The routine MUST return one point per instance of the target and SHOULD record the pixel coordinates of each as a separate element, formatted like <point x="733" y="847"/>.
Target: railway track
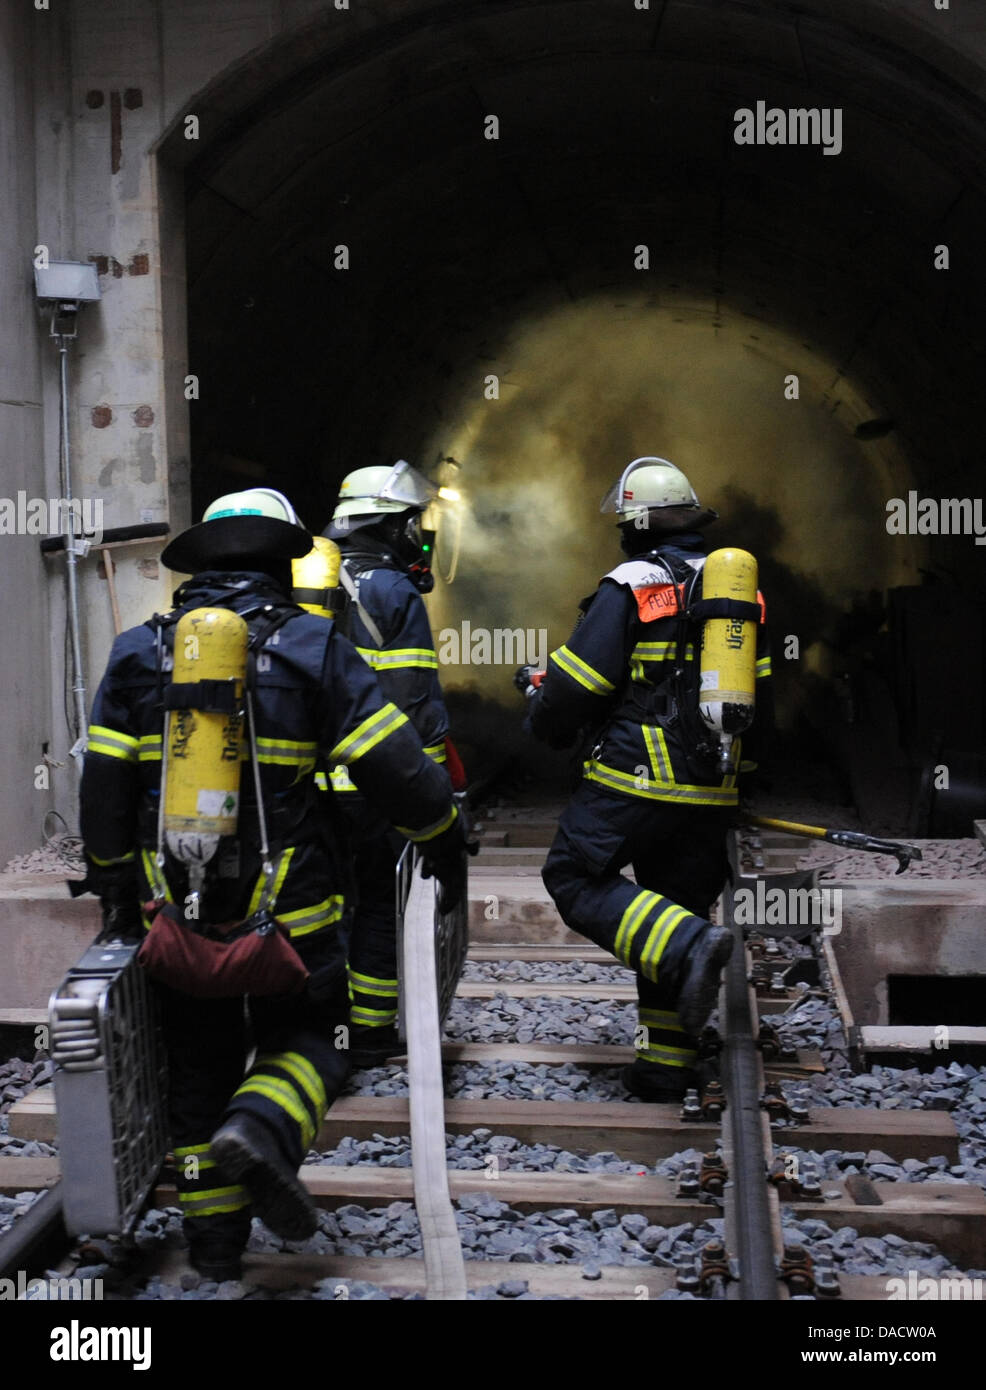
<point x="758" y="1132"/>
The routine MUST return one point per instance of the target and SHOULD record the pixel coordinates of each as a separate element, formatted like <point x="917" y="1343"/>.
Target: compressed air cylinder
<point x="729" y="649"/>
<point x="315" y="575"/>
<point x="202" y="746"/>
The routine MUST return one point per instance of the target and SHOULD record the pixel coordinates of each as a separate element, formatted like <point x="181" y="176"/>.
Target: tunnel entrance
<point x="526" y="239"/>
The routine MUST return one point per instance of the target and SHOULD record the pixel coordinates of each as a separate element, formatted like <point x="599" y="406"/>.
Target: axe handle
<point x="817" y="832"/>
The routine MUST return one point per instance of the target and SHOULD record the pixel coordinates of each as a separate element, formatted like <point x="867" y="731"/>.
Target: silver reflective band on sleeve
<point x="429" y="831"/>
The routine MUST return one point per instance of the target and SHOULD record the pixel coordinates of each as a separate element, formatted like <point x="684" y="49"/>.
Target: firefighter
<point x="386" y="567"/>
<point x="649" y="797"/>
<point x="240" y="1138"/>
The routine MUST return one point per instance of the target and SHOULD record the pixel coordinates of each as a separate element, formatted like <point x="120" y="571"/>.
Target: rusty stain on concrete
<point x="94" y="100"/>
<point x="101" y="416"/>
<point x="133" y="98"/>
<point x="143" y="416"/>
<point x="116" y="133"/>
<point x="149" y="569"/>
<point x="139" y="264"/>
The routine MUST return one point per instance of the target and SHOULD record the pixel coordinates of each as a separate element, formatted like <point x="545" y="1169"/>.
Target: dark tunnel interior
<point x="518" y="258"/>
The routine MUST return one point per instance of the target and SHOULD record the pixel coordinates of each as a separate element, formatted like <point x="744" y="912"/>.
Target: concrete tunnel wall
<point x="319" y="126"/>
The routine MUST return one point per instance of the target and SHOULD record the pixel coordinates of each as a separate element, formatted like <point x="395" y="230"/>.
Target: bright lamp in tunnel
<point x="450" y="494"/>
<point x="63" y="286"/>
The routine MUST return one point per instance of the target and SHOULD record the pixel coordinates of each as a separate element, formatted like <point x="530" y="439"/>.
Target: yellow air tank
<point x="729" y="650"/>
<point x="204" y="733"/>
<point x="315" y="575"/>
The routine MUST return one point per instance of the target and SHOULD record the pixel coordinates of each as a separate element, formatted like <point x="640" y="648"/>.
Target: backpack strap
<point x="351" y="587"/>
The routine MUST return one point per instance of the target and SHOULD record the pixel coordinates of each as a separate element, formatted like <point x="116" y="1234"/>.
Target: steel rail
<point x="36" y="1237"/>
<point x="752" y="1217"/>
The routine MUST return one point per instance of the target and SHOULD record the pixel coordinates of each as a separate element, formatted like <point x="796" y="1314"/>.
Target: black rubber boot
<point x="370" y="1047"/>
<point x="700" y="978"/>
<point x="216" y="1259"/>
<point x="656" y="1083"/>
<point x="247" y="1152"/>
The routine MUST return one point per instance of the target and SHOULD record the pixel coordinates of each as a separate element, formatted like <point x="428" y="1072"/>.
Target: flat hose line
<point x="444" y="1268"/>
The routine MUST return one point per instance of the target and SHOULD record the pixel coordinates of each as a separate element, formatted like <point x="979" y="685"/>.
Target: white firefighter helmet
<point x="376" y="491"/>
<point x="259" y="523"/>
<point x="650" y="484"/>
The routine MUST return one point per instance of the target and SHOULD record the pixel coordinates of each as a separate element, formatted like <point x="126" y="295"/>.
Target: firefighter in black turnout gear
<point x="386" y="567"/>
<point x="239" y="1136"/>
<point x="650" y="796"/>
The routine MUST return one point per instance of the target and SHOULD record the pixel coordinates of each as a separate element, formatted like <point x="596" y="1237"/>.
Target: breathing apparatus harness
<point x="219" y="696"/>
<point x="680" y="703"/>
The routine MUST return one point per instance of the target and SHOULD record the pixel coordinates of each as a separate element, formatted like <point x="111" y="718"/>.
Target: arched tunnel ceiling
<point x="616" y="129"/>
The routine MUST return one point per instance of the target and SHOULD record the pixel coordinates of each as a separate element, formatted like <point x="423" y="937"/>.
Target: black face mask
<point x="414" y="547"/>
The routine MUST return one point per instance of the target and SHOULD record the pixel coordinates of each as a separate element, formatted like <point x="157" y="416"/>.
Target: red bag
<point x="252" y="962"/>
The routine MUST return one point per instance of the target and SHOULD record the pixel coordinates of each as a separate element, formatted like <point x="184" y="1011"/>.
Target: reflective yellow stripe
<point x="284" y="752"/>
<point x="665" y="1019"/>
<point x="371" y="1018"/>
<point x="303" y="1072"/>
<point x="214" y="1201"/>
<point x="341" y="780"/>
<point x="398" y="657"/>
<point x="579" y="670"/>
<point x="436" y="751"/>
<point x="631" y="920"/>
<point x="368" y="734"/>
<point x="657" y="750"/>
<point x="368" y="984"/>
<point x="280" y="871"/>
<point x="128" y="858"/>
<point x="321" y="781"/>
<point x="157" y="883"/>
<point x="150" y="748"/>
<point x="111" y="743"/>
<point x="660" y="935"/>
<point x="763" y="667"/>
<point x="625" y="782"/>
<point x="191" y="1149"/>
<point x="668" y="1056"/>
<point x="661" y="651"/>
<point x="302" y="921"/>
<point x="430" y="831"/>
<point x="283" y="1095"/>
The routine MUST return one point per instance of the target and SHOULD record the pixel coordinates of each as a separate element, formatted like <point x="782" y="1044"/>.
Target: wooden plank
<point x="285" y="1271"/>
<point x="288" y="1270"/>
<point x="550" y="989"/>
<point x="26" y="1174"/>
<point x="951" y="1216"/>
<point x="564" y="989"/>
<point x="544" y="951"/>
<point x="873" y="1038"/>
<point x="23" y="1018"/>
<point x="590" y="1055"/>
<point x="633" y="1130"/>
<point x="879" y="1288"/>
